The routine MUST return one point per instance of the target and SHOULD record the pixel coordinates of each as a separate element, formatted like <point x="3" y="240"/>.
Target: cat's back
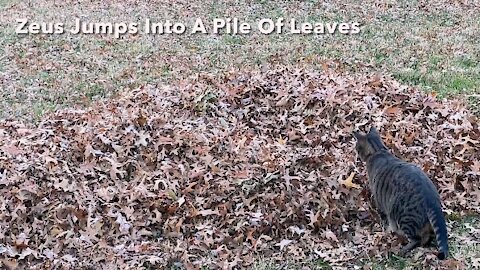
<point x="391" y="177"/>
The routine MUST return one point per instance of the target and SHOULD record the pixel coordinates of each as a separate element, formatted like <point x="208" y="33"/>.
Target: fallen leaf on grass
<point x="348" y="182"/>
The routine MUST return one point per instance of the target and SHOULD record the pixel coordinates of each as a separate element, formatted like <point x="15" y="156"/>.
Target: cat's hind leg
<point x="412" y="244"/>
<point x="414" y="239"/>
<point x="427" y="235"/>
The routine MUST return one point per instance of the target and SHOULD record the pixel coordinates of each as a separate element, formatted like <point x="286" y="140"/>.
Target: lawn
<point x="427" y="46"/>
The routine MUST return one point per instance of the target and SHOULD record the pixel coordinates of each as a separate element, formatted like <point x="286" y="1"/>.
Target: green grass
<point x="393" y="262"/>
<point x="6" y="3"/>
<point x="433" y="49"/>
<point x="462" y="80"/>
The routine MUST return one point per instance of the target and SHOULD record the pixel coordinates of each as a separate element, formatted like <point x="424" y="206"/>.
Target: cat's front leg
<point x="383" y="216"/>
<point x="384" y="219"/>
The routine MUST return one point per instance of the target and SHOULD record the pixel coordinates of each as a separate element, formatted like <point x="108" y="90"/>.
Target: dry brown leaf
<point x="348" y="182"/>
<point x="393" y="110"/>
<point x="211" y="172"/>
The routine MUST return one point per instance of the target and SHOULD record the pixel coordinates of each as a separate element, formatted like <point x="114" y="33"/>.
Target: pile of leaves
<point x="220" y="171"/>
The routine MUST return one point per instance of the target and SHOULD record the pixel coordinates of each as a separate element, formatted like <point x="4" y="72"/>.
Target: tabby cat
<point x="405" y="197"/>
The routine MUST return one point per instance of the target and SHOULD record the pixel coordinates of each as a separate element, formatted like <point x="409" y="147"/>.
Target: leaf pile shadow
<point x="216" y="171"/>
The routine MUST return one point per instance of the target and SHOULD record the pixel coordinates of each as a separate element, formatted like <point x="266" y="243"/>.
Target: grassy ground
<point x="429" y="46"/>
<point x="435" y="47"/>
<point x="459" y="232"/>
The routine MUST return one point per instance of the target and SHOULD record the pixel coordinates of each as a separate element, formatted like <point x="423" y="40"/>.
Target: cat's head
<point x="368" y="144"/>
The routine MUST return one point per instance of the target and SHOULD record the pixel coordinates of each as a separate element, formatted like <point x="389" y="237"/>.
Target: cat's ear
<point x="358" y="135"/>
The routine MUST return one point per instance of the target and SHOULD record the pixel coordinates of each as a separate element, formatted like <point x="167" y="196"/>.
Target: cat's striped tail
<point x="436" y="218"/>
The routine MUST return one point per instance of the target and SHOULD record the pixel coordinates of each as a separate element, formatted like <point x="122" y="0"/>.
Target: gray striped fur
<point x="405" y="197"/>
